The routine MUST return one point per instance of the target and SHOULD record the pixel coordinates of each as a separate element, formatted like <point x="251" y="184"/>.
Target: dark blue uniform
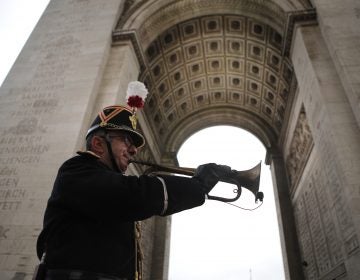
<point x="89" y="219"/>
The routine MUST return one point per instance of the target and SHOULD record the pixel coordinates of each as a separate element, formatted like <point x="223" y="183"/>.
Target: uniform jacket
<point x="89" y="219"/>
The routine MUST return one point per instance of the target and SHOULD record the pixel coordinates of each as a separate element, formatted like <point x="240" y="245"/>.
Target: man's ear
<point x="98" y="145"/>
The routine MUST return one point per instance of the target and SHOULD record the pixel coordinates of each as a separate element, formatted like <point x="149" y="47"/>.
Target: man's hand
<point x="209" y="174"/>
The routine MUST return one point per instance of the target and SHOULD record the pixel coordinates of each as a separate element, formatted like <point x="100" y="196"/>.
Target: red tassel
<point x="135" y="101"/>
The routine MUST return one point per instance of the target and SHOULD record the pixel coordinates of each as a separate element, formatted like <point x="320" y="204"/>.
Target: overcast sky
<point x="17" y="20"/>
<point x="216" y="241"/>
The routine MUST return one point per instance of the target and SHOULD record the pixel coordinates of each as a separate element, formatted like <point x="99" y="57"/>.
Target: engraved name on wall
<point x="326" y="231"/>
<point x="30" y="121"/>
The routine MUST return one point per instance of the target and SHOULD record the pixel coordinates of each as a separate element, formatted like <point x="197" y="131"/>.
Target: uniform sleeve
<point x="181" y="193"/>
<point x="86" y="189"/>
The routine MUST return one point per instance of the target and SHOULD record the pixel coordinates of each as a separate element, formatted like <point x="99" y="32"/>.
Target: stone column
<point x="336" y="162"/>
<point x="46" y="104"/>
<point x="339" y="24"/>
<point x="162" y="234"/>
<point x="122" y="67"/>
<point x="288" y="237"/>
<point x="161" y="249"/>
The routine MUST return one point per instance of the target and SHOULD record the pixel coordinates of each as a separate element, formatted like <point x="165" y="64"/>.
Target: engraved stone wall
<point x="300" y="148"/>
<point x="24" y="146"/>
<point x="326" y="205"/>
<point x="44" y="103"/>
<point x="324" y="222"/>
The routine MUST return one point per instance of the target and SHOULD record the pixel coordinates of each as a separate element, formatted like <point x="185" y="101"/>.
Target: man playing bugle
<point x="89" y="230"/>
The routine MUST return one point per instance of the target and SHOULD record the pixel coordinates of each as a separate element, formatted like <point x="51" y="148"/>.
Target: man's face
<point x="123" y="149"/>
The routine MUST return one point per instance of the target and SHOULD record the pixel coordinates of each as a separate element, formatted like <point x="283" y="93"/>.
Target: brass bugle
<point x="249" y="179"/>
<point x="162" y="168"/>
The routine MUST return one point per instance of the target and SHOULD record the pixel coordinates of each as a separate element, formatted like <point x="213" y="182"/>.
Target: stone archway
<point x="205" y="65"/>
<point x="82" y="54"/>
<point x="198" y="58"/>
<point x="224" y="64"/>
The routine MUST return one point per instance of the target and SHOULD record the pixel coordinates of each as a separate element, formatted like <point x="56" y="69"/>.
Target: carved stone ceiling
<point x="211" y="63"/>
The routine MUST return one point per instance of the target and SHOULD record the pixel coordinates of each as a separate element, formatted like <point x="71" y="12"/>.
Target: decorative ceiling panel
<point x="213" y="61"/>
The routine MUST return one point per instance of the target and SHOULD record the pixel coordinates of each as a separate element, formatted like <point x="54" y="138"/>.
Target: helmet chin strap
<point x="111" y="154"/>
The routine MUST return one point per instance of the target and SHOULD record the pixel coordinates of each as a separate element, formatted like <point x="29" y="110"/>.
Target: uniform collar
<point x="88" y="153"/>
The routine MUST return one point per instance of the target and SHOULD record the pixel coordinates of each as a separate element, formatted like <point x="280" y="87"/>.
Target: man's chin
<point x="123" y="167"/>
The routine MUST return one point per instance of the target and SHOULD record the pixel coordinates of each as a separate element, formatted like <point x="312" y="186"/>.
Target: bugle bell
<point x="249" y="179"/>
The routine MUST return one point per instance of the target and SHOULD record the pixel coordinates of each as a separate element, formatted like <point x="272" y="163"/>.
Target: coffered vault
<point x="208" y="64"/>
<point x="226" y="65"/>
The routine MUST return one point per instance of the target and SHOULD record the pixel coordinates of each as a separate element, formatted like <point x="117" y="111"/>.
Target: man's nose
<point x="132" y="150"/>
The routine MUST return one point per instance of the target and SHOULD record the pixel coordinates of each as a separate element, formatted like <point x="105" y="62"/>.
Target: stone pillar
<point x="161" y="249"/>
<point x="122" y="67"/>
<point x="162" y="234"/>
<point x="46" y="104"/>
<point x="329" y="187"/>
<point x="339" y="21"/>
<point x="287" y="229"/>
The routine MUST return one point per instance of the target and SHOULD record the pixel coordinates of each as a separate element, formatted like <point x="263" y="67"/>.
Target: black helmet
<point x="118" y="117"/>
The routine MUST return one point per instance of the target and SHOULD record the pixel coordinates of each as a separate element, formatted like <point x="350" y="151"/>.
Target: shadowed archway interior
<point x="212" y="64"/>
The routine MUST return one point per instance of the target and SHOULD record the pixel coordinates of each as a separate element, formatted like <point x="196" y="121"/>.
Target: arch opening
<point x="218" y="241"/>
